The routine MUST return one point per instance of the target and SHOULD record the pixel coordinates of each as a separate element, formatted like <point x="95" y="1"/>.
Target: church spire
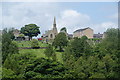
<point x="54" y="23"/>
<point x="54" y="20"/>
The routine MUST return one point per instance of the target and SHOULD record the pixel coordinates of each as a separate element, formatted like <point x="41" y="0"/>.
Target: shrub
<point x="34" y="44"/>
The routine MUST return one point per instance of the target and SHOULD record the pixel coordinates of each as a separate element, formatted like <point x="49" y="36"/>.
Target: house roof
<point x="79" y="30"/>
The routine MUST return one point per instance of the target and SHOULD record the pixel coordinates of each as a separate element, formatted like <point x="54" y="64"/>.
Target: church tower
<point x="54" y="26"/>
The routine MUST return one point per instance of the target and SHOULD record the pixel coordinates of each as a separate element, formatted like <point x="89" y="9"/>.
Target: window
<point x="51" y="36"/>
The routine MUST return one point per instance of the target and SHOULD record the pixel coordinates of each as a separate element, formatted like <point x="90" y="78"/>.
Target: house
<point x="17" y="33"/>
<point x="70" y="36"/>
<point x="104" y="35"/>
<point x="98" y="35"/>
<point x="83" y="32"/>
<point x="50" y="34"/>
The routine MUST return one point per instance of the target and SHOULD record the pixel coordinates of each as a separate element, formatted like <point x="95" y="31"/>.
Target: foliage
<point x="79" y="47"/>
<point x="20" y="62"/>
<point x="30" y="30"/>
<point x="8" y="47"/>
<point x="63" y="29"/>
<point x="84" y="38"/>
<point x="8" y="73"/>
<point x="80" y="59"/>
<point x="60" y="41"/>
<point x="21" y="35"/>
<point x="11" y="33"/>
<point x="101" y="61"/>
<point x="44" y="68"/>
<point x="34" y="43"/>
<point x="49" y="52"/>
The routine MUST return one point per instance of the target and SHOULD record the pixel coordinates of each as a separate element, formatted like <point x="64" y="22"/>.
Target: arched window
<point x="51" y="36"/>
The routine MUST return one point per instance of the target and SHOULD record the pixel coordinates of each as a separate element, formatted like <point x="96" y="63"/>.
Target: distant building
<point x="70" y="36"/>
<point x="50" y="34"/>
<point x="83" y="32"/>
<point x="104" y="35"/>
<point x="100" y="36"/>
<point x="17" y="33"/>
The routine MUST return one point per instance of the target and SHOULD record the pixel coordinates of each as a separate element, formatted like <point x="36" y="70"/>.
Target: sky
<point x="73" y="15"/>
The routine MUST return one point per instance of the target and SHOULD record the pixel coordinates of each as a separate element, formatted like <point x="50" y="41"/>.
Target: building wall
<point x="76" y="34"/>
<point x="88" y="32"/>
<point x="104" y="35"/>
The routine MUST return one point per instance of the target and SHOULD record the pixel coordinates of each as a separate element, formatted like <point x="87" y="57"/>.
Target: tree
<point x="60" y="41"/>
<point x="21" y="61"/>
<point x="34" y="43"/>
<point x="84" y="38"/>
<point x="49" y="52"/>
<point x="11" y="33"/>
<point x="63" y="29"/>
<point x="30" y="30"/>
<point x="79" y="47"/>
<point x="8" y="46"/>
<point x="44" y="68"/>
<point x="8" y="73"/>
<point x="21" y="36"/>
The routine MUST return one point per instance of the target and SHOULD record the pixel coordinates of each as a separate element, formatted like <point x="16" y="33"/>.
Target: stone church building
<point x="50" y="34"/>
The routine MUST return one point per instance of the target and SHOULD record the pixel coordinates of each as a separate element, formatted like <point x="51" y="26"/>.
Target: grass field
<point x="28" y="44"/>
<point x="38" y="52"/>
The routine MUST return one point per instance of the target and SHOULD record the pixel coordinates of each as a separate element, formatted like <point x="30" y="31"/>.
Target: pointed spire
<point x="54" y="20"/>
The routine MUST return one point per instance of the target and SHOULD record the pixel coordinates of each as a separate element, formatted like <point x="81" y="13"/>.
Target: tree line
<point x="80" y="58"/>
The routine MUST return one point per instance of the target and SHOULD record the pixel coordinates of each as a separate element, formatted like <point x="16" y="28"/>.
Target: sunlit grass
<point x="28" y="44"/>
<point x="40" y="53"/>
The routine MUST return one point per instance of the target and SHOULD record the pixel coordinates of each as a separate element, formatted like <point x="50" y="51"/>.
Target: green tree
<point x="8" y="73"/>
<point x="49" y="52"/>
<point x="8" y="47"/>
<point x="44" y="68"/>
<point x="30" y="30"/>
<point x="21" y="61"/>
<point x="63" y="29"/>
<point x="34" y="43"/>
<point x="79" y="47"/>
<point x="22" y="36"/>
<point x="84" y="38"/>
<point x="11" y="33"/>
<point x="60" y="41"/>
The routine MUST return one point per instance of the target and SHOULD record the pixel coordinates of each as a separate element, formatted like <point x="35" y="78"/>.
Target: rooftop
<point x="79" y="30"/>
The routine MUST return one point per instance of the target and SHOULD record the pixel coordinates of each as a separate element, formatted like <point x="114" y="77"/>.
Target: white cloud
<point x="42" y="14"/>
<point x="72" y="20"/>
<point x="102" y="27"/>
<point x="25" y="13"/>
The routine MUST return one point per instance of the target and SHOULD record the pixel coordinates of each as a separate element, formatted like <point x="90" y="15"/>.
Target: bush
<point x="49" y="52"/>
<point x="44" y="68"/>
<point x="34" y="44"/>
<point x="8" y="46"/>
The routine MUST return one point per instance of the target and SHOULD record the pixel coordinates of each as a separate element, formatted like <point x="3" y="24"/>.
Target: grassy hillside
<point x="28" y="44"/>
<point x="38" y="52"/>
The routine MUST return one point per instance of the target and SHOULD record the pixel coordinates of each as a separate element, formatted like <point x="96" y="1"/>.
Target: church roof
<point x="79" y="30"/>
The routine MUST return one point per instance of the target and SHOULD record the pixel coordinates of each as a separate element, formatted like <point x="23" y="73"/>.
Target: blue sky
<point x="73" y="15"/>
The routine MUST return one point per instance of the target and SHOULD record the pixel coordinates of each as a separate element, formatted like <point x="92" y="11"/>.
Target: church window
<point x="51" y="36"/>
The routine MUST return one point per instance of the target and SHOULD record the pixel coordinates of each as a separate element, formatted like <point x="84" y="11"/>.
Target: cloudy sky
<point x="73" y="15"/>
